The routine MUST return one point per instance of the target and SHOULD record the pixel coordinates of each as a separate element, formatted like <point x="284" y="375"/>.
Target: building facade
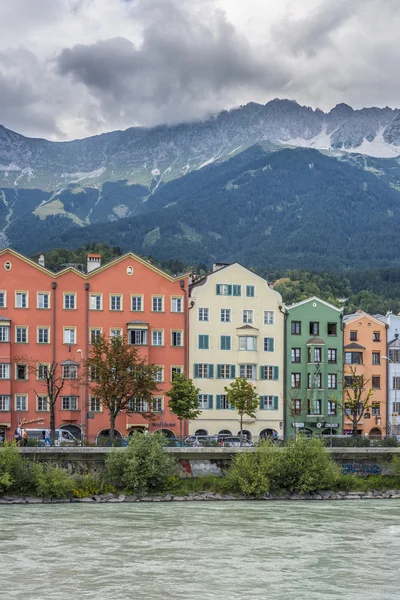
<point x="365" y="343"/>
<point x="50" y="318"/>
<point x="236" y="330"/>
<point x="314" y="357"/>
<point x="392" y="361"/>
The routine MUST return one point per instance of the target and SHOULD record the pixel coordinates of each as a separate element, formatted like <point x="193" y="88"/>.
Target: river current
<point x="201" y="551"/>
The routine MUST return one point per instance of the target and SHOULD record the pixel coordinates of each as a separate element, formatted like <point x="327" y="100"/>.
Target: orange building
<point x="365" y="339"/>
<point x="51" y="317"/>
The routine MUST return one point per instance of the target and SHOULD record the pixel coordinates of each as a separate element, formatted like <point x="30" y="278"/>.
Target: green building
<point x="314" y="368"/>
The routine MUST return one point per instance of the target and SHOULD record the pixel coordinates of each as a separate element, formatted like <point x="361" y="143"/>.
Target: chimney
<point x="41" y="260"/>
<point x="93" y="262"/>
<point x="218" y="266"/>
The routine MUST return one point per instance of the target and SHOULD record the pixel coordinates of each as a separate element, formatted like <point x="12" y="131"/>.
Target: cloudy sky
<point x="72" y="68"/>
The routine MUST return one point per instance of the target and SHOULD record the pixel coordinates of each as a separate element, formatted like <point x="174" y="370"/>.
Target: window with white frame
<point x="21" y="335"/>
<point x="223" y="403"/>
<point x="176" y="338"/>
<point x="137" y="303"/>
<point x="176" y="371"/>
<point x="43" y="300"/>
<point x="95" y="335"/>
<point x="204" y="314"/>
<point x="224" y="290"/>
<point x="247" y="342"/>
<point x="2" y="299"/>
<point x="267" y="403"/>
<point x="176" y="304"/>
<point x="69" y="403"/>
<point x="203" y="401"/>
<point x="69" y="335"/>
<point x="95" y="302"/>
<point x="157" y="338"/>
<point x="21" y="299"/>
<point x="69" y="371"/>
<point x="248" y="317"/>
<point x="138" y="405"/>
<point x="269" y="317"/>
<point x="69" y="301"/>
<point x="138" y="337"/>
<point x="43" y="335"/>
<point x="21" y="372"/>
<point x="224" y="371"/>
<point x="4" y="371"/>
<point x="5" y="403"/>
<point x="159" y="374"/>
<point x="157" y="403"/>
<point x="95" y="404"/>
<point x="203" y="370"/>
<point x="225" y="315"/>
<point x="115" y="302"/>
<point x="247" y="371"/>
<point x="267" y="372"/>
<point x="157" y="304"/>
<point x="42" y="403"/>
<point x="21" y="403"/>
<point x="4" y="333"/>
<point x="42" y="371"/>
<point x="250" y="291"/>
<point x="115" y="333"/>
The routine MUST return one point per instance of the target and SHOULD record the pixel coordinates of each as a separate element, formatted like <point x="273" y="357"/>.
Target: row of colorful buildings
<point x="229" y="323"/>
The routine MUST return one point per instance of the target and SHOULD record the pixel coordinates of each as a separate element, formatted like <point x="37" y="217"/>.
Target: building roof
<point x="354" y="346"/>
<point x="360" y="314"/>
<point x="315" y="341"/>
<point x="339" y="310"/>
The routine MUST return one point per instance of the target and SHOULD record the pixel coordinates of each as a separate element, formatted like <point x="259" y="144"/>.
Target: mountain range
<point x="260" y="182"/>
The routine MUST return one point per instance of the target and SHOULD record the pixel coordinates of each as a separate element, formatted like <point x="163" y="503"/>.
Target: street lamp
<point x="395" y="393"/>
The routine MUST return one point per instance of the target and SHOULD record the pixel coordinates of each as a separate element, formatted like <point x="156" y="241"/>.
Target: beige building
<point x="236" y="328"/>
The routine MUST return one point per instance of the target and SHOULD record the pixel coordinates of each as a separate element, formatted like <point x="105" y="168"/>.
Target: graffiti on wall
<point x="360" y="469"/>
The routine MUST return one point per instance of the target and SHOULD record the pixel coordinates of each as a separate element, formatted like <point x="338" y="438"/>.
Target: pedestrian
<point x="24" y="437"/>
<point x="47" y="439"/>
<point x="18" y="435"/>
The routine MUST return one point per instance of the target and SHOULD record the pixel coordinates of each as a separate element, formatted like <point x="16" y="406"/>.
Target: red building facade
<point x="49" y="318"/>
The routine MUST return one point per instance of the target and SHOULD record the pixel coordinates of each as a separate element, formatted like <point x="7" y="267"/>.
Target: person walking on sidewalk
<point x="47" y="439"/>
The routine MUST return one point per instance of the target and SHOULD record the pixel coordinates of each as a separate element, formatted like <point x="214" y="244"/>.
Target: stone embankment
<point x="207" y="497"/>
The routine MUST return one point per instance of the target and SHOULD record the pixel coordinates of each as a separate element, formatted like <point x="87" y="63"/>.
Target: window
<point x="353" y="336"/>
<point x="69" y="371"/>
<point x="21" y="372"/>
<point x="157" y="338"/>
<point x="5" y="371"/>
<point x="43" y="336"/>
<point x="115" y="333"/>
<point x="396" y="407"/>
<point x="314" y="381"/>
<point x="137" y="303"/>
<point x="176" y="304"/>
<point x="248" y="317"/>
<point x="94" y="374"/>
<point x="295" y="380"/>
<point x="295" y="327"/>
<point x="21" y="299"/>
<point x="226" y="371"/>
<point x="138" y="337"/>
<point x="269" y="372"/>
<point x="394" y="356"/>
<point x="43" y="300"/>
<point x="269" y="317"/>
<point x="69" y="403"/>
<point x="95" y="335"/>
<point x="376" y="382"/>
<point x="138" y="405"/>
<point x="225" y="315"/>
<point x="396" y="382"/>
<point x="314" y="407"/>
<point x="224" y="290"/>
<point x="353" y="358"/>
<point x="69" y="335"/>
<point x="203" y="370"/>
<point x="203" y="342"/>
<point x="5" y="403"/>
<point x="332" y="355"/>
<point x="296" y="355"/>
<point x="376" y="336"/>
<point x="376" y="358"/>
<point x="269" y="402"/>
<point x="332" y="329"/>
<point x="314" y="328"/>
<point x="21" y="403"/>
<point x="223" y="402"/>
<point x="42" y="403"/>
<point x="348" y="380"/>
<point x="3" y="301"/>
<point x="225" y="342"/>
<point x="296" y="407"/>
<point x="42" y="371"/>
<point x="95" y="302"/>
<point x="314" y="355"/>
<point x="203" y="314"/>
<point x="157" y="404"/>
<point x="157" y="303"/>
<point x="332" y="407"/>
<point x="176" y="338"/>
<point x="247" y="342"/>
<point x="176" y="371"/>
<point x="248" y="371"/>
<point x="332" y="381"/>
<point x="69" y="301"/>
<point x="115" y="302"/>
<point x="159" y="374"/>
<point x="94" y="404"/>
<point x="21" y="335"/>
<point x="269" y="344"/>
<point x="376" y="409"/>
<point x="205" y="401"/>
<point x="4" y="333"/>
<point x="250" y="291"/>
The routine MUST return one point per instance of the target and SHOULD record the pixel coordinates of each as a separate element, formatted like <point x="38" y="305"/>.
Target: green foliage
<point x="50" y="481"/>
<point x="242" y="396"/>
<point x="143" y="467"/>
<point x="10" y="461"/>
<point x="183" y="399"/>
<point x="191" y="485"/>
<point x="249" y="473"/>
<point x="87" y="485"/>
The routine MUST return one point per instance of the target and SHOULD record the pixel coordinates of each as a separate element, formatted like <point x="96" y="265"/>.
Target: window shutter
<point x="229" y="290"/>
<point x="262" y="372"/>
<point x="276" y="373"/>
<point x="219" y="371"/>
<point x="275" y="402"/>
<point x="270" y="344"/>
<point x="223" y="342"/>
<point x="237" y="291"/>
<point x="218" y="289"/>
<point x="218" y="401"/>
<point x="261" y="402"/>
<point x="228" y="343"/>
<point x="206" y="342"/>
<point x="233" y="371"/>
<point x="196" y="370"/>
<point x="210" y="401"/>
<point x="211" y="371"/>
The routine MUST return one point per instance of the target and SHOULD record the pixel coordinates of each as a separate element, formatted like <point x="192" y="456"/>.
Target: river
<point x="201" y="551"/>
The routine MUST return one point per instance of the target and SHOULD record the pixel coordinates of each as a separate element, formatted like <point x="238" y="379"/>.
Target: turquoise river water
<point x="201" y="551"/>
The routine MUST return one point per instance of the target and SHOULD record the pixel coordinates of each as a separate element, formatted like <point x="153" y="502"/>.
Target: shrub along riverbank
<point x="143" y="471"/>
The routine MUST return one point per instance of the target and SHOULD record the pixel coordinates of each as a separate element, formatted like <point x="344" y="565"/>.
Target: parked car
<point x="201" y="440"/>
<point x="62" y="436"/>
<point x="235" y="442"/>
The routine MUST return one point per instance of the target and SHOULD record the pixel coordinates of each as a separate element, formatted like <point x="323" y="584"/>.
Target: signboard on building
<point x="298" y="425"/>
<point x="331" y="425"/>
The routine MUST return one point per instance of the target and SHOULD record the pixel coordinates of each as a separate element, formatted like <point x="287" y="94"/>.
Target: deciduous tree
<point x="184" y="400"/>
<point x="242" y="396"/>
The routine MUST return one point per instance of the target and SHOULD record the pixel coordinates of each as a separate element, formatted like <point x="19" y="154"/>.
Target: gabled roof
<point x="247" y="327"/>
<point x="339" y="310"/>
<point x="362" y="315"/>
<point x="354" y="346"/>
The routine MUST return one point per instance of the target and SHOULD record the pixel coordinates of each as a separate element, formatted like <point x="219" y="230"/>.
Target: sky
<point x="74" y="68"/>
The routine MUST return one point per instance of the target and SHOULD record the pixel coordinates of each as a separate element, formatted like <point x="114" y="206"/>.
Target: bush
<point x="142" y="467"/>
<point x="50" y="481"/>
<point x="87" y="485"/>
<point x="11" y="466"/>
<point x="249" y="473"/>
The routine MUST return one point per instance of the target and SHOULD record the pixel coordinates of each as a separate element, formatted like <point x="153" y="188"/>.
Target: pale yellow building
<point x="236" y="325"/>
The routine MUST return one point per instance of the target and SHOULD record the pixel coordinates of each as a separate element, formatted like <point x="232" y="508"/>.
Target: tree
<point x="357" y="398"/>
<point x="242" y="396"/>
<point x="184" y="400"/>
<point x="120" y="378"/>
